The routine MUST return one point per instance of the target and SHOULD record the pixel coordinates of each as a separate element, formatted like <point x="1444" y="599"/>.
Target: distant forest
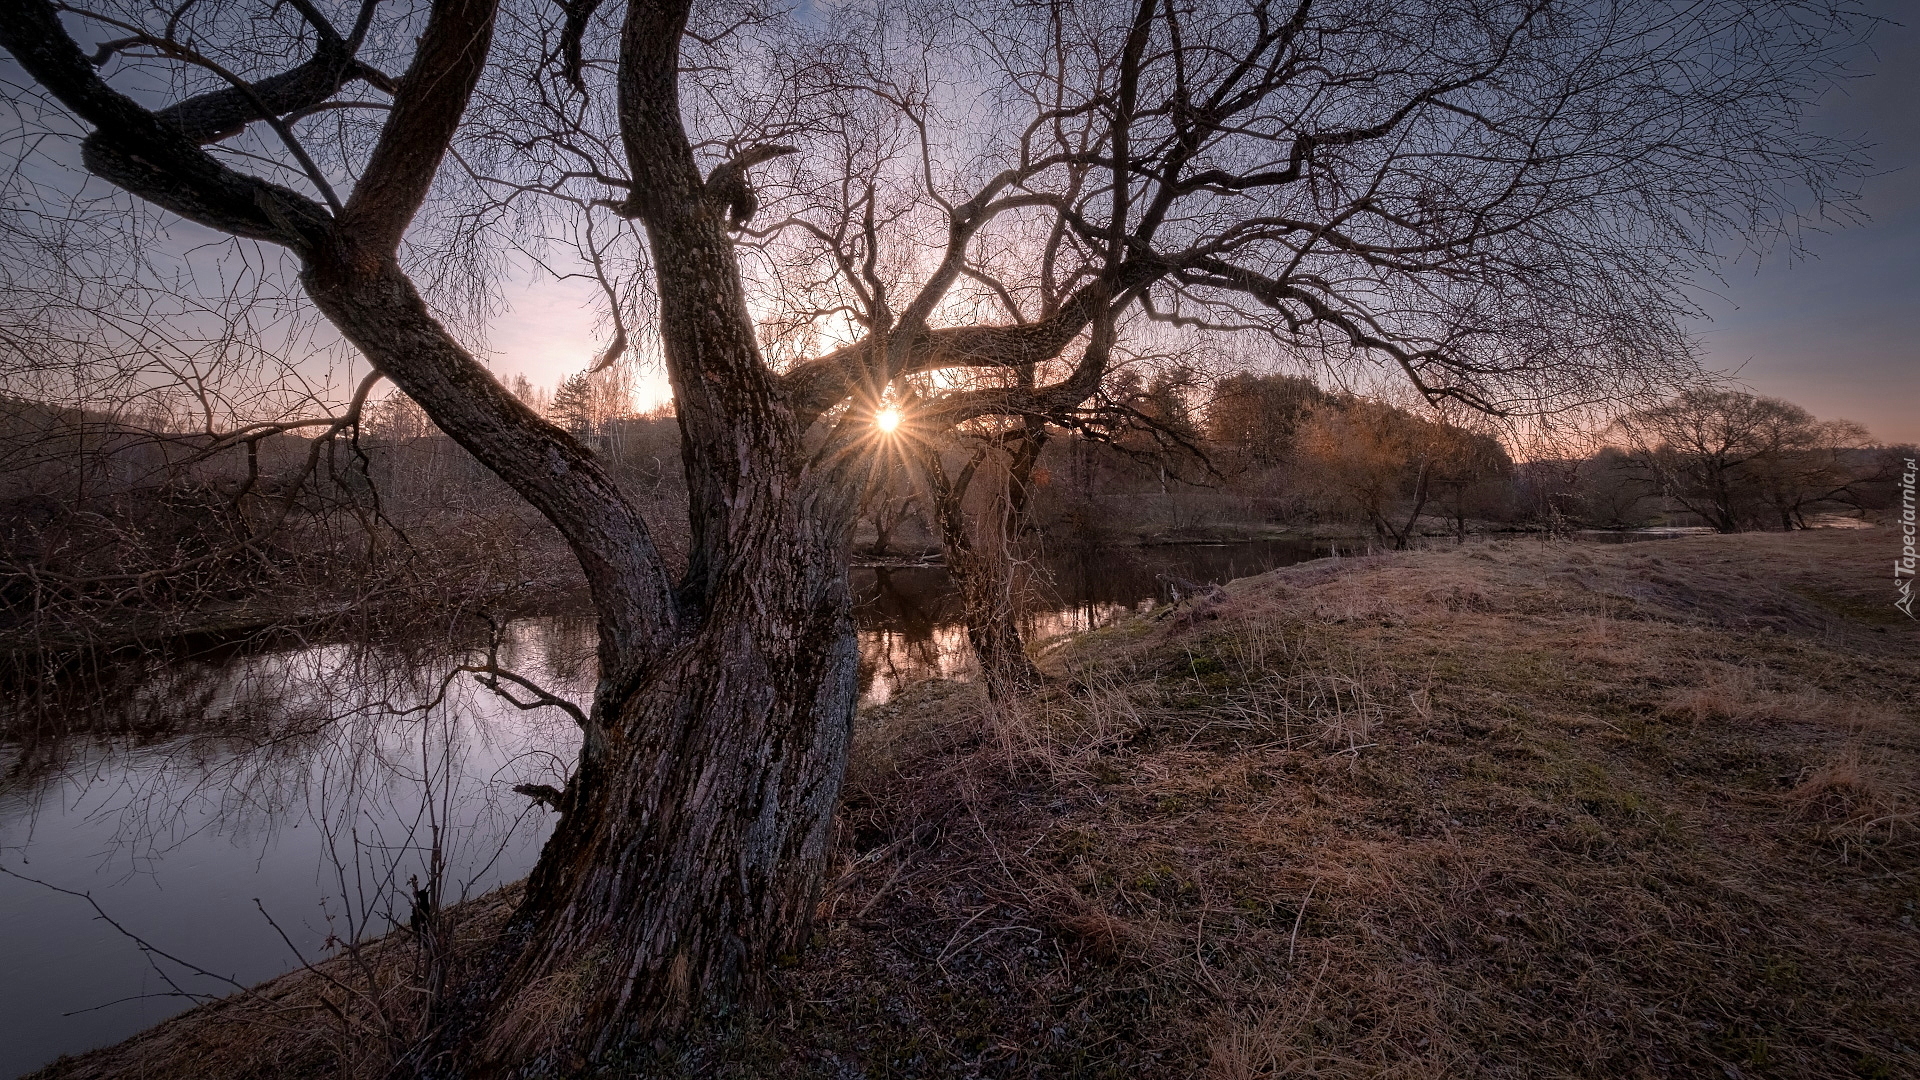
<point x="108" y="515"/>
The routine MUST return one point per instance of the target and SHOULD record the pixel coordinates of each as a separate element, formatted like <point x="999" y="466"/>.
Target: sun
<point x="887" y="420"/>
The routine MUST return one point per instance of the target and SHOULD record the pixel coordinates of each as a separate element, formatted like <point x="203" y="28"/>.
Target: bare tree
<point x="1471" y="473"/>
<point x="1811" y="463"/>
<point x="1253" y="419"/>
<point x="1735" y="458"/>
<point x="981" y="547"/>
<point x="1381" y="464"/>
<point x="889" y="502"/>
<point x="978" y="213"/>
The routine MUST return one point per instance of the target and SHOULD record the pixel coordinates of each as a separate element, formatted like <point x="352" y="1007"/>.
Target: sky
<point x="549" y="334"/>
<point x="1835" y="329"/>
<point x="1839" y="332"/>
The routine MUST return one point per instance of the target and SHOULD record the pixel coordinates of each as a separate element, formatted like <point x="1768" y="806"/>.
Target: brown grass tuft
<point x="1845" y="788"/>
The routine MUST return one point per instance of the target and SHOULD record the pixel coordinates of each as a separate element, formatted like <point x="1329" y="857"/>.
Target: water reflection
<point x="212" y="798"/>
<point x="218" y="801"/>
<point x="1634" y="536"/>
<point x="910" y="617"/>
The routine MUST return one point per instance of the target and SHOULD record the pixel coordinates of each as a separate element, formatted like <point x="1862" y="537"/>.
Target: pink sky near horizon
<point x="1789" y="350"/>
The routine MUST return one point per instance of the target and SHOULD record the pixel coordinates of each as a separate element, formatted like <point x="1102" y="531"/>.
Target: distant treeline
<point x="1726" y="459"/>
<point x="103" y="513"/>
<point x="115" y="522"/>
<point x="1254" y="451"/>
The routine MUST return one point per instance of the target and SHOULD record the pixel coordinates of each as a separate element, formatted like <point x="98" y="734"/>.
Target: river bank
<point x="1520" y="809"/>
<point x="181" y="778"/>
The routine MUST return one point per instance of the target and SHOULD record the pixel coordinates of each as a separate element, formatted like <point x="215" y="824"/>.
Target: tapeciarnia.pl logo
<point x="1903" y="567"/>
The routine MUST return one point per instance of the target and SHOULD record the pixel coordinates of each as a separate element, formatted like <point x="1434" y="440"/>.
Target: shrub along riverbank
<point x="1521" y="809"/>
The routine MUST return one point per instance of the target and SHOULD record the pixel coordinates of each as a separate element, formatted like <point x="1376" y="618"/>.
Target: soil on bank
<point x="1512" y="810"/>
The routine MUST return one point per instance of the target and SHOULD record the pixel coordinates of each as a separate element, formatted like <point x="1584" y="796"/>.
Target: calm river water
<point x="241" y="810"/>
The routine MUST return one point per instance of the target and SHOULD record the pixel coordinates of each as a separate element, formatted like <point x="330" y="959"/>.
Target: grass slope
<point x="1521" y="810"/>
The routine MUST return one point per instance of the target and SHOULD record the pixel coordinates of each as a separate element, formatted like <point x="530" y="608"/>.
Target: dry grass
<point x="1522" y="810"/>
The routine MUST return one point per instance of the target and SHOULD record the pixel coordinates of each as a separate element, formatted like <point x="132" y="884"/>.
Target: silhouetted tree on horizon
<point x="1734" y="458"/>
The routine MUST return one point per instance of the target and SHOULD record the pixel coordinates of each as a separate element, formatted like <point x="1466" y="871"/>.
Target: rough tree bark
<point x="689" y="850"/>
<point x="692" y="838"/>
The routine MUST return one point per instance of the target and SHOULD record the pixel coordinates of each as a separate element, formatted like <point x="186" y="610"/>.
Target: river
<point x="214" y="818"/>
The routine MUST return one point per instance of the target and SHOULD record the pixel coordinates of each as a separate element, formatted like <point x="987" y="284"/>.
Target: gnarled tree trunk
<point x="690" y="846"/>
<point x="689" y="851"/>
<point x="692" y="836"/>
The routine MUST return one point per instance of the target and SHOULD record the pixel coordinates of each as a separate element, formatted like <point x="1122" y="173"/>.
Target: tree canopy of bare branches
<point x="1737" y="459"/>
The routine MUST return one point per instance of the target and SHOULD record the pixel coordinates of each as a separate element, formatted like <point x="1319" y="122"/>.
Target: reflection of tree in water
<point x="256" y="713"/>
<point x="906" y="619"/>
<point x="265" y="689"/>
<point x="63" y="710"/>
<point x="403" y="767"/>
<point x="910" y="618"/>
<point x="1084" y="588"/>
<point x="562" y="647"/>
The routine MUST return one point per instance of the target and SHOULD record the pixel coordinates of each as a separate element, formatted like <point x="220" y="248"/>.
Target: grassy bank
<point x="1516" y="810"/>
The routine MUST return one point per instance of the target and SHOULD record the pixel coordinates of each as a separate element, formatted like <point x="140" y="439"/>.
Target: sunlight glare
<point x="887" y="420"/>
